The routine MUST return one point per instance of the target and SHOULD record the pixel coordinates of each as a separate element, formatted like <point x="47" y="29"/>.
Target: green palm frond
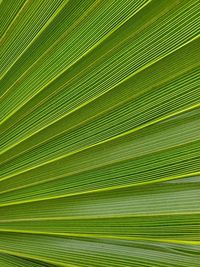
<point x="99" y="133"/>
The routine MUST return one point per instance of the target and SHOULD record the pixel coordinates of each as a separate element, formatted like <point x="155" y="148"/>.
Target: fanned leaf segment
<point x="100" y="133"/>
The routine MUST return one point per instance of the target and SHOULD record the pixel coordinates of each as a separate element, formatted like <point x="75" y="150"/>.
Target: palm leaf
<point x="99" y="133"/>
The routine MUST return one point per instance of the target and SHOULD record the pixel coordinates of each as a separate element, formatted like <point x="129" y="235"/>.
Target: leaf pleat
<point x="99" y="133"/>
